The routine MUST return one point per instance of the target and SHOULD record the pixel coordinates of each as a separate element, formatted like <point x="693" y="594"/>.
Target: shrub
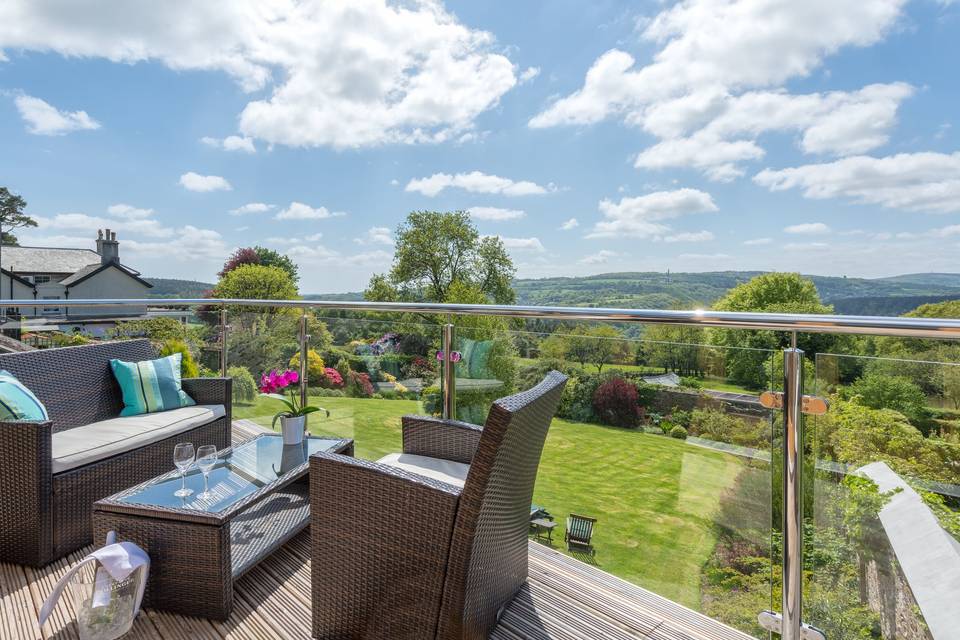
<point x="680" y="417"/>
<point x="420" y="367"/>
<point x="879" y="391"/>
<point x="331" y="379"/>
<point x="359" y="385"/>
<point x="577" y="400"/>
<point x="691" y="383"/>
<point x="718" y="425"/>
<point x="244" y="386"/>
<point x="158" y="329"/>
<point x="678" y="432"/>
<point x="188" y="366"/>
<point x="315" y="367"/>
<point x="326" y="393"/>
<point x="615" y="402"/>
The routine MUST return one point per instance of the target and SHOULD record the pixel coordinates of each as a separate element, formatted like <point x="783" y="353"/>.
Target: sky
<point x="820" y="136"/>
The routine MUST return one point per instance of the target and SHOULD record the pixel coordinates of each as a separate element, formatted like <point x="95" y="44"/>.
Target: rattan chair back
<point x="75" y="384"/>
<point x="488" y="555"/>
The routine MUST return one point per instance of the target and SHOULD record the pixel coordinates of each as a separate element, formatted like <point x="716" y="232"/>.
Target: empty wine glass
<point x="183" y="457"/>
<point x="206" y="460"/>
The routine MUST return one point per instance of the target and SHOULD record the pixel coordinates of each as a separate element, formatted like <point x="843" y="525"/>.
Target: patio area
<point x="564" y="599"/>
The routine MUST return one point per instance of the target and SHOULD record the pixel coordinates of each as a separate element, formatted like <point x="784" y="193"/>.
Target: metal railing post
<point x="304" y="341"/>
<point x="792" y="626"/>
<point x="223" y="342"/>
<point x="448" y="379"/>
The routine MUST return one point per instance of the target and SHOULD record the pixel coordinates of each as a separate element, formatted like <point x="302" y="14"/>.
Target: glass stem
<point x="183" y="480"/>
<point x="205" y="488"/>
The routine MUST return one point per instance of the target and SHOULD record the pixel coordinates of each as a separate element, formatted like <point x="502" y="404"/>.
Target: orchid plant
<point x="274" y="383"/>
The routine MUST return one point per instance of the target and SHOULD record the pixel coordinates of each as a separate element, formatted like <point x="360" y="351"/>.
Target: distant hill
<point x="172" y="288"/>
<point x="891" y="296"/>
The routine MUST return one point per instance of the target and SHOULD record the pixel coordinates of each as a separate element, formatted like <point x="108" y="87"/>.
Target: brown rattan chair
<point x="46" y="515"/>
<point x="397" y="554"/>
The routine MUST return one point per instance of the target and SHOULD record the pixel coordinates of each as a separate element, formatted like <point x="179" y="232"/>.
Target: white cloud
<point x="190" y="243"/>
<point x="808" y="229"/>
<point x="130" y="212"/>
<point x="601" y="257"/>
<point x="529" y="74"/>
<point x="313" y="237"/>
<point x="231" y="143"/>
<point x="319" y="255"/>
<point x="523" y="244"/>
<point x="642" y="216"/>
<point x="569" y="224"/>
<point x="704" y="257"/>
<point x="754" y="242"/>
<point x="924" y="181"/>
<point x="301" y="211"/>
<point x="340" y="74"/>
<point x="376" y="235"/>
<point x="195" y="182"/>
<point x="123" y="218"/>
<point x="806" y="246"/>
<point x="696" y="236"/>
<point x="475" y="182"/>
<point x="495" y="213"/>
<point x="715" y="84"/>
<point x="252" y="207"/>
<point x="44" y="119"/>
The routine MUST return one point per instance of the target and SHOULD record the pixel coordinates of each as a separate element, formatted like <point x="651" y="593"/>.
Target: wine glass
<point x="183" y="457"/>
<point x="206" y="460"/>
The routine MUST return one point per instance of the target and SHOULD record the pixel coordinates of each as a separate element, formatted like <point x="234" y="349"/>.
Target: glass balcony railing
<point x="674" y="434"/>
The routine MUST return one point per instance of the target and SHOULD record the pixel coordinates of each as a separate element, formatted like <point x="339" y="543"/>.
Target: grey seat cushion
<point x="100" y="440"/>
<point x="454" y="473"/>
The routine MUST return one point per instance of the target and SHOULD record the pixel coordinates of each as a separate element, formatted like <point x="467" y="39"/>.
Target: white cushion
<point x="100" y="440"/>
<point x="454" y="473"/>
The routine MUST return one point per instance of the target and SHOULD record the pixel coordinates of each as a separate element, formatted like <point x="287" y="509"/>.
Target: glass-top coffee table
<point x="199" y="546"/>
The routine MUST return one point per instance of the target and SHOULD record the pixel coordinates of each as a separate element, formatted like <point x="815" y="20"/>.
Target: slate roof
<point x="47" y="259"/>
<point x="93" y="269"/>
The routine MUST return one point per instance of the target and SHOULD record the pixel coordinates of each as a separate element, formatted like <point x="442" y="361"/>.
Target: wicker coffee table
<point x="199" y="547"/>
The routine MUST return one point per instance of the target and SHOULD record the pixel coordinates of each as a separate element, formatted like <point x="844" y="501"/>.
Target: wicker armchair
<point x="45" y="515"/>
<point x="399" y="554"/>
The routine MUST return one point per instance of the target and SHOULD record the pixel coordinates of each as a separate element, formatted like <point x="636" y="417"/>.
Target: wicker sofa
<point x="52" y="472"/>
<point x="431" y="543"/>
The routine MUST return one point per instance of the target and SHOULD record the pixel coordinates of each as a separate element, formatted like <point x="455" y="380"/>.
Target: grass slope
<point x="655" y="497"/>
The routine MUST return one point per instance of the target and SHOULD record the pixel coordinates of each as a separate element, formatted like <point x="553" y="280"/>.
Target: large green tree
<point x="746" y="353"/>
<point x="440" y="255"/>
<point x="263" y="257"/>
<point x="12" y="217"/>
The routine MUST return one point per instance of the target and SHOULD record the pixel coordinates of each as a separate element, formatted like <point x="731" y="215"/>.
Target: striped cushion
<point x="151" y="385"/>
<point x="17" y="402"/>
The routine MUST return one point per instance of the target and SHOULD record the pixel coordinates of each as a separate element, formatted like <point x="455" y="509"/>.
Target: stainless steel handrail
<point x="802" y="323"/>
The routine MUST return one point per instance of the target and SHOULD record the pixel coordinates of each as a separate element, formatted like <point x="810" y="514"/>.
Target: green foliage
<point x="597" y="345"/>
<point x="890" y="392"/>
<point x="326" y="393"/>
<point x="156" y="329"/>
<point x="188" y="366"/>
<point x="678" y="432"/>
<point x="244" y="386"/>
<point x="256" y="282"/>
<point x="11" y="213"/>
<point x="718" y="425"/>
<point x="435" y="250"/>
<point x="271" y="258"/>
<point x="949" y="519"/>
<point x="691" y="383"/>
<point x="676" y="348"/>
<point x="857" y="435"/>
<point x="577" y="400"/>
<point x="748" y="351"/>
<point x="70" y="340"/>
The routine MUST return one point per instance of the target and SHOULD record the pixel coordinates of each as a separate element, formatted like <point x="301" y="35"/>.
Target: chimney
<point x="107" y="246"/>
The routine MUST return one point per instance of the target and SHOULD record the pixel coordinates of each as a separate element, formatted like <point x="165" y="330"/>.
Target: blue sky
<point x="704" y="135"/>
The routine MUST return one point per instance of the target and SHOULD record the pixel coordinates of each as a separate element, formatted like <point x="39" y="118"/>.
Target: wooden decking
<point x="565" y="600"/>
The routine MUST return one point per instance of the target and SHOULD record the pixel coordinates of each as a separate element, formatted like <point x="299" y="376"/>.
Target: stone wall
<point x="667" y="398"/>
<point x="887" y="593"/>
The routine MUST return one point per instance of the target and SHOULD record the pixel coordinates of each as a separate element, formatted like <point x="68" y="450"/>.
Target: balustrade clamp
<point x="773" y="621"/>
<point x="809" y="405"/>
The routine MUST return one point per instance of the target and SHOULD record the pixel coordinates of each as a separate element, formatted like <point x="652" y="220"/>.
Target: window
<point x="41" y="280"/>
<point x="51" y="310"/>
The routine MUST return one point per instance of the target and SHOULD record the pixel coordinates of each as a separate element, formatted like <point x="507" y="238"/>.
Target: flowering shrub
<point x="315" y="366"/>
<point x="388" y="377"/>
<point x="360" y="385"/>
<point x="331" y="379"/>
<point x="420" y="367"/>
<point x="615" y="402"/>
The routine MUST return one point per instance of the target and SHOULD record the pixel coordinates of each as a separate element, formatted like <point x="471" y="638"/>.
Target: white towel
<point x="119" y="560"/>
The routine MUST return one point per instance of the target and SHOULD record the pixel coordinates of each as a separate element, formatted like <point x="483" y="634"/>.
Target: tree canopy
<point x="263" y="257"/>
<point x="256" y="282"/>
<point x="12" y="216"/>
<point x="438" y="254"/>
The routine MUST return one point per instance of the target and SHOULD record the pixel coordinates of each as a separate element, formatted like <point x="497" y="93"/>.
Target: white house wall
<point x="108" y="284"/>
<point x="20" y="292"/>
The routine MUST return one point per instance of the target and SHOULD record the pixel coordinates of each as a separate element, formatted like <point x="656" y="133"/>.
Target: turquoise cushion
<point x="151" y="385"/>
<point x="17" y="402"/>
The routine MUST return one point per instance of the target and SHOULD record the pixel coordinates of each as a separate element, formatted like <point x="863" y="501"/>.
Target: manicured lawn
<point x="654" y="497"/>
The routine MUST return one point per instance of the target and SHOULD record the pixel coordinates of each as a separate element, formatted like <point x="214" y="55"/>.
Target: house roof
<point x="22" y="281"/>
<point x="46" y="259"/>
<point x="91" y="270"/>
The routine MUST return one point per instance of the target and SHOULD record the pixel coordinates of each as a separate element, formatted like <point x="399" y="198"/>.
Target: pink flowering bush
<point x="331" y="379"/>
<point x="360" y="385"/>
